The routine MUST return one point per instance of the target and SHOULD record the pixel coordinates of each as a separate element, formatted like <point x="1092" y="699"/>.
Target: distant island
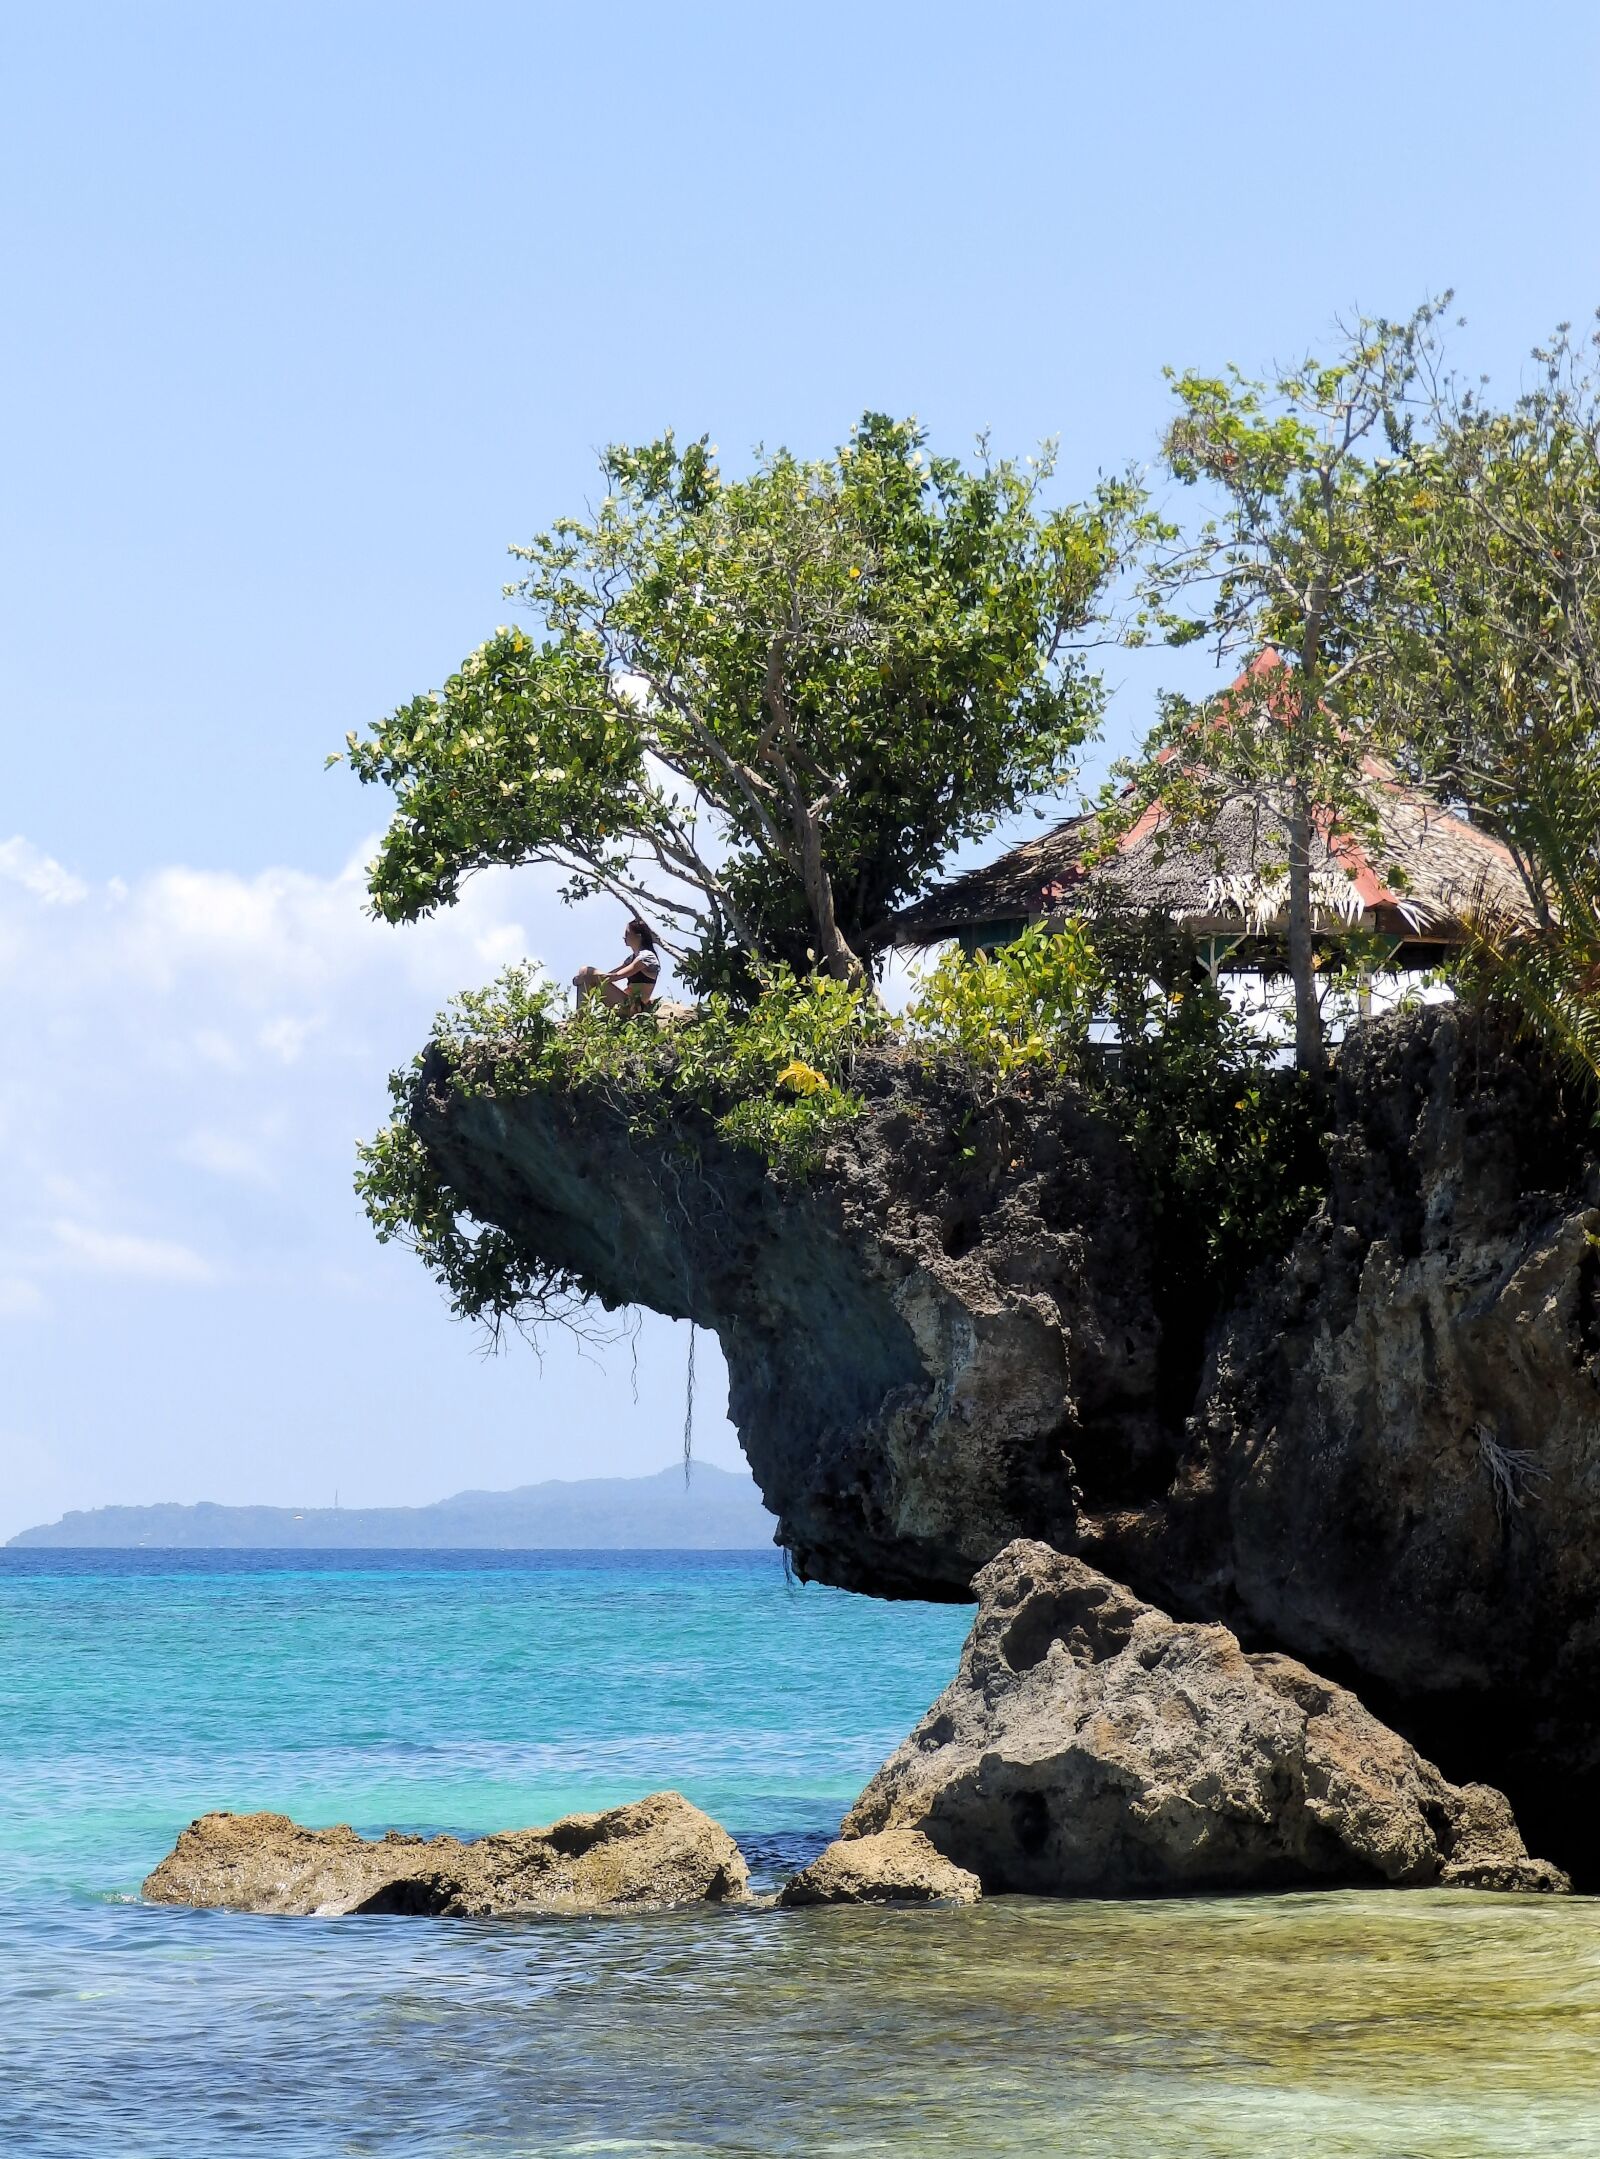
<point x="718" y="1510"/>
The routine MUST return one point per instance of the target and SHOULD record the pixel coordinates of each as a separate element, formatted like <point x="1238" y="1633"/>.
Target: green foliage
<point x="1030" y="1003"/>
<point x="1547" y="976"/>
<point x="1491" y="679"/>
<point x="482" y="1270"/>
<point x="1231" y="1143"/>
<point x="1438" y="602"/>
<point x="1493" y="675"/>
<point x="1298" y="478"/>
<point x="1229" y="1146"/>
<point x="763" y="709"/>
<point x="1292" y="557"/>
<point x="774" y="1078"/>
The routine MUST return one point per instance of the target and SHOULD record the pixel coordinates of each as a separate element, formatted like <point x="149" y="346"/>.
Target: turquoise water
<point x="480" y="1691"/>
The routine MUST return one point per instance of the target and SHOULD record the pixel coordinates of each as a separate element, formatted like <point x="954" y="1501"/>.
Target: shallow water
<point x="483" y="1691"/>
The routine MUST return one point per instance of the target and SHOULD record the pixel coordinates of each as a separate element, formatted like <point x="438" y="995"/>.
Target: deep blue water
<point x="485" y="1690"/>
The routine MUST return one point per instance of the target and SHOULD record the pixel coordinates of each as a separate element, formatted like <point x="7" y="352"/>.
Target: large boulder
<point x="658" y="1851"/>
<point x="897" y="1866"/>
<point x="1092" y="1746"/>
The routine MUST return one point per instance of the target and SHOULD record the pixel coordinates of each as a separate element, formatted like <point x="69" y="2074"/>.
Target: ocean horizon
<point x="695" y="1506"/>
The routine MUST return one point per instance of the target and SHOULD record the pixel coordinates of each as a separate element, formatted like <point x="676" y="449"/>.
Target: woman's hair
<point x="645" y="934"/>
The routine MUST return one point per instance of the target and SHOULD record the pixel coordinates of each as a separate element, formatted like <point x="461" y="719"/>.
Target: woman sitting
<point x="630" y="987"/>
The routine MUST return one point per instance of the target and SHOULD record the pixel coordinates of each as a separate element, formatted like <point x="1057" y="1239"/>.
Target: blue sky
<point x="310" y="312"/>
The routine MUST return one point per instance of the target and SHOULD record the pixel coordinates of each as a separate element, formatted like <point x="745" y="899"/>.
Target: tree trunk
<point x="1309" y="1053"/>
<point x="834" y="955"/>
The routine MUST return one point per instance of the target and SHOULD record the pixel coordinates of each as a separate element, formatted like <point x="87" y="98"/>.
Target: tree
<point x="761" y="710"/>
<point x="1490" y="676"/>
<point x="1492" y="672"/>
<point x="1292" y="560"/>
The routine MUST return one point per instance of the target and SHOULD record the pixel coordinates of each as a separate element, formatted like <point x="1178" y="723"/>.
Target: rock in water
<point x="897" y="1866"/>
<point x="655" y="1852"/>
<point x="1091" y="1746"/>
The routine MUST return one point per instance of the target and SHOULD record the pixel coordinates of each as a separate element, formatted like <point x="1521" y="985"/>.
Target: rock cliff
<point x="1387" y="1462"/>
<point x="930" y="1345"/>
<point x="1393" y="1466"/>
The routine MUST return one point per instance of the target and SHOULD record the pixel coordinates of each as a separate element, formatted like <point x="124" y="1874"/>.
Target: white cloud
<point x="213" y="1047"/>
<point x="285" y="1038"/>
<point x="203" y="1049"/>
<point x="223" y="966"/>
<point x="26" y="865"/>
<point x="190" y="1026"/>
<point x="280" y="946"/>
<point x="119" y="1252"/>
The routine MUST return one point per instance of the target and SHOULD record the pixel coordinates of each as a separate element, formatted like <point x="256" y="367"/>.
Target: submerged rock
<point x="658" y="1851"/>
<point x="1092" y="1746"/>
<point x="895" y="1866"/>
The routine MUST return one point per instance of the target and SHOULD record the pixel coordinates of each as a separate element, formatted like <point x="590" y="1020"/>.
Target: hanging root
<point x="688" y="1412"/>
<point x="1512" y="1471"/>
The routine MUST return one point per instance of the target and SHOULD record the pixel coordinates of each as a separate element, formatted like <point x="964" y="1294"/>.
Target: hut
<point x="1408" y="890"/>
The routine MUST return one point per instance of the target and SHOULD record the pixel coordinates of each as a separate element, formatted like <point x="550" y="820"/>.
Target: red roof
<point x="1429" y="868"/>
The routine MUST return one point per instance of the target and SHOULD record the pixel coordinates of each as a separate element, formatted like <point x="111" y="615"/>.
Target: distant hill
<point x="718" y="1511"/>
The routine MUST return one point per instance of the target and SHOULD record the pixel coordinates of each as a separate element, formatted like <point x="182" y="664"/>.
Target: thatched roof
<point x="1430" y="870"/>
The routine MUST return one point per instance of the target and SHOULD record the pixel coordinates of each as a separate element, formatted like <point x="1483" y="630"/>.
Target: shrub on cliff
<point x="1029" y="1003"/>
<point x="1231" y="1145"/>
<point x="1228" y="1146"/>
<point x="773" y="1076"/>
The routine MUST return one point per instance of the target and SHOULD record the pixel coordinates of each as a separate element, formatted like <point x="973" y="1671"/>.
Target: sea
<point x="486" y="1690"/>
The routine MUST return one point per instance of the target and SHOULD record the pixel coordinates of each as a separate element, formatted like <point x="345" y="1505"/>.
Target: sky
<point x="311" y="311"/>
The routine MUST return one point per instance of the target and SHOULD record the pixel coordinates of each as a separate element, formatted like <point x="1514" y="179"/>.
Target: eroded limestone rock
<point x="895" y="1866"/>
<point x="1385" y="1458"/>
<point x="930" y="1342"/>
<point x="658" y="1851"/>
<point x="1092" y="1746"/>
<point x="1394" y="1459"/>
